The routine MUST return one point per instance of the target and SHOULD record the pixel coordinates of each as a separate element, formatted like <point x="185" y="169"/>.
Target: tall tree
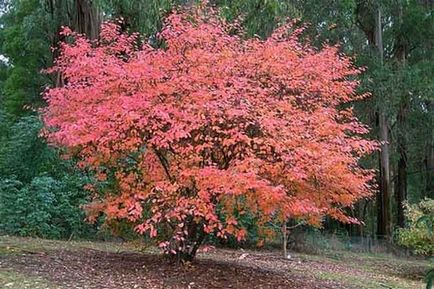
<point x="369" y="17"/>
<point x="383" y="200"/>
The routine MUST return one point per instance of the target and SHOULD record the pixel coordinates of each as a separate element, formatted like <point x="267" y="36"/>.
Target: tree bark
<point x="383" y="197"/>
<point x="429" y="160"/>
<point x="401" y="185"/>
<point x="379" y="35"/>
<point x="83" y="16"/>
<point x="186" y="248"/>
<point x="87" y="18"/>
<point x="285" y="240"/>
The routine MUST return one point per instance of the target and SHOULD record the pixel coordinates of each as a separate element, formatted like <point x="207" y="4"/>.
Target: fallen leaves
<point x="76" y="266"/>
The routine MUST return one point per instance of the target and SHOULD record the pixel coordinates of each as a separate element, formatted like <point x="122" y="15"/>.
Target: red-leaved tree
<point x="212" y="126"/>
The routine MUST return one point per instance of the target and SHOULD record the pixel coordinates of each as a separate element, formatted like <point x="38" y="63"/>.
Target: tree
<point x="24" y="44"/>
<point x="383" y="200"/>
<point x="256" y="16"/>
<point x="144" y="16"/>
<point x="401" y="91"/>
<point x="210" y="128"/>
<point x="40" y="194"/>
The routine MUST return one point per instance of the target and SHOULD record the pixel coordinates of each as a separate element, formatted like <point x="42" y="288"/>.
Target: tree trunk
<point x="83" y="16"/>
<point x="429" y="160"/>
<point x="186" y="249"/>
<point x="87" y="18"/>
<point x="383" y="197"/>
<point x="379" y="35"/>
<point x="401" y="185"/>
<point x="285" y="240"/>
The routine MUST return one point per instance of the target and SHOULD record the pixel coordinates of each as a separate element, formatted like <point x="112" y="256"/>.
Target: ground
<point x="36" y="264"/>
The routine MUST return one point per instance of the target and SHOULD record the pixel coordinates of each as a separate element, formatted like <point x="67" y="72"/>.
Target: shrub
<point x="418" y="234"/>
<point x="45" y="208"/>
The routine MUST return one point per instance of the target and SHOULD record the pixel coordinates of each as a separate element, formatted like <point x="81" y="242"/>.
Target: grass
<point x="14" y="280"/>
<point x="368" y="271"/>
<point x="11" y="245"/>
<point x="369" y="281"/>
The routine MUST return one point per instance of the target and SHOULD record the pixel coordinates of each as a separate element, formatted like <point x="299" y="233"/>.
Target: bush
<point x="24" y="155"/>
<point x="45" y="208"/>
<point x="418" y="235"/>
<point x="40" y="194"/>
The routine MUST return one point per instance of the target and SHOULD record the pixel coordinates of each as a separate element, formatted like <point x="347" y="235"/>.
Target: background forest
<point x="41" y="194"/>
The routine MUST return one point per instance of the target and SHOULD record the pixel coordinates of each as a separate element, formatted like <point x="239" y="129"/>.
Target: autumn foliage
<point x="209" y="127"/>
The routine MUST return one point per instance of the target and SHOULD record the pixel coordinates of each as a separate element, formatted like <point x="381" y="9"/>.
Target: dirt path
<point x="33" y="263"/>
